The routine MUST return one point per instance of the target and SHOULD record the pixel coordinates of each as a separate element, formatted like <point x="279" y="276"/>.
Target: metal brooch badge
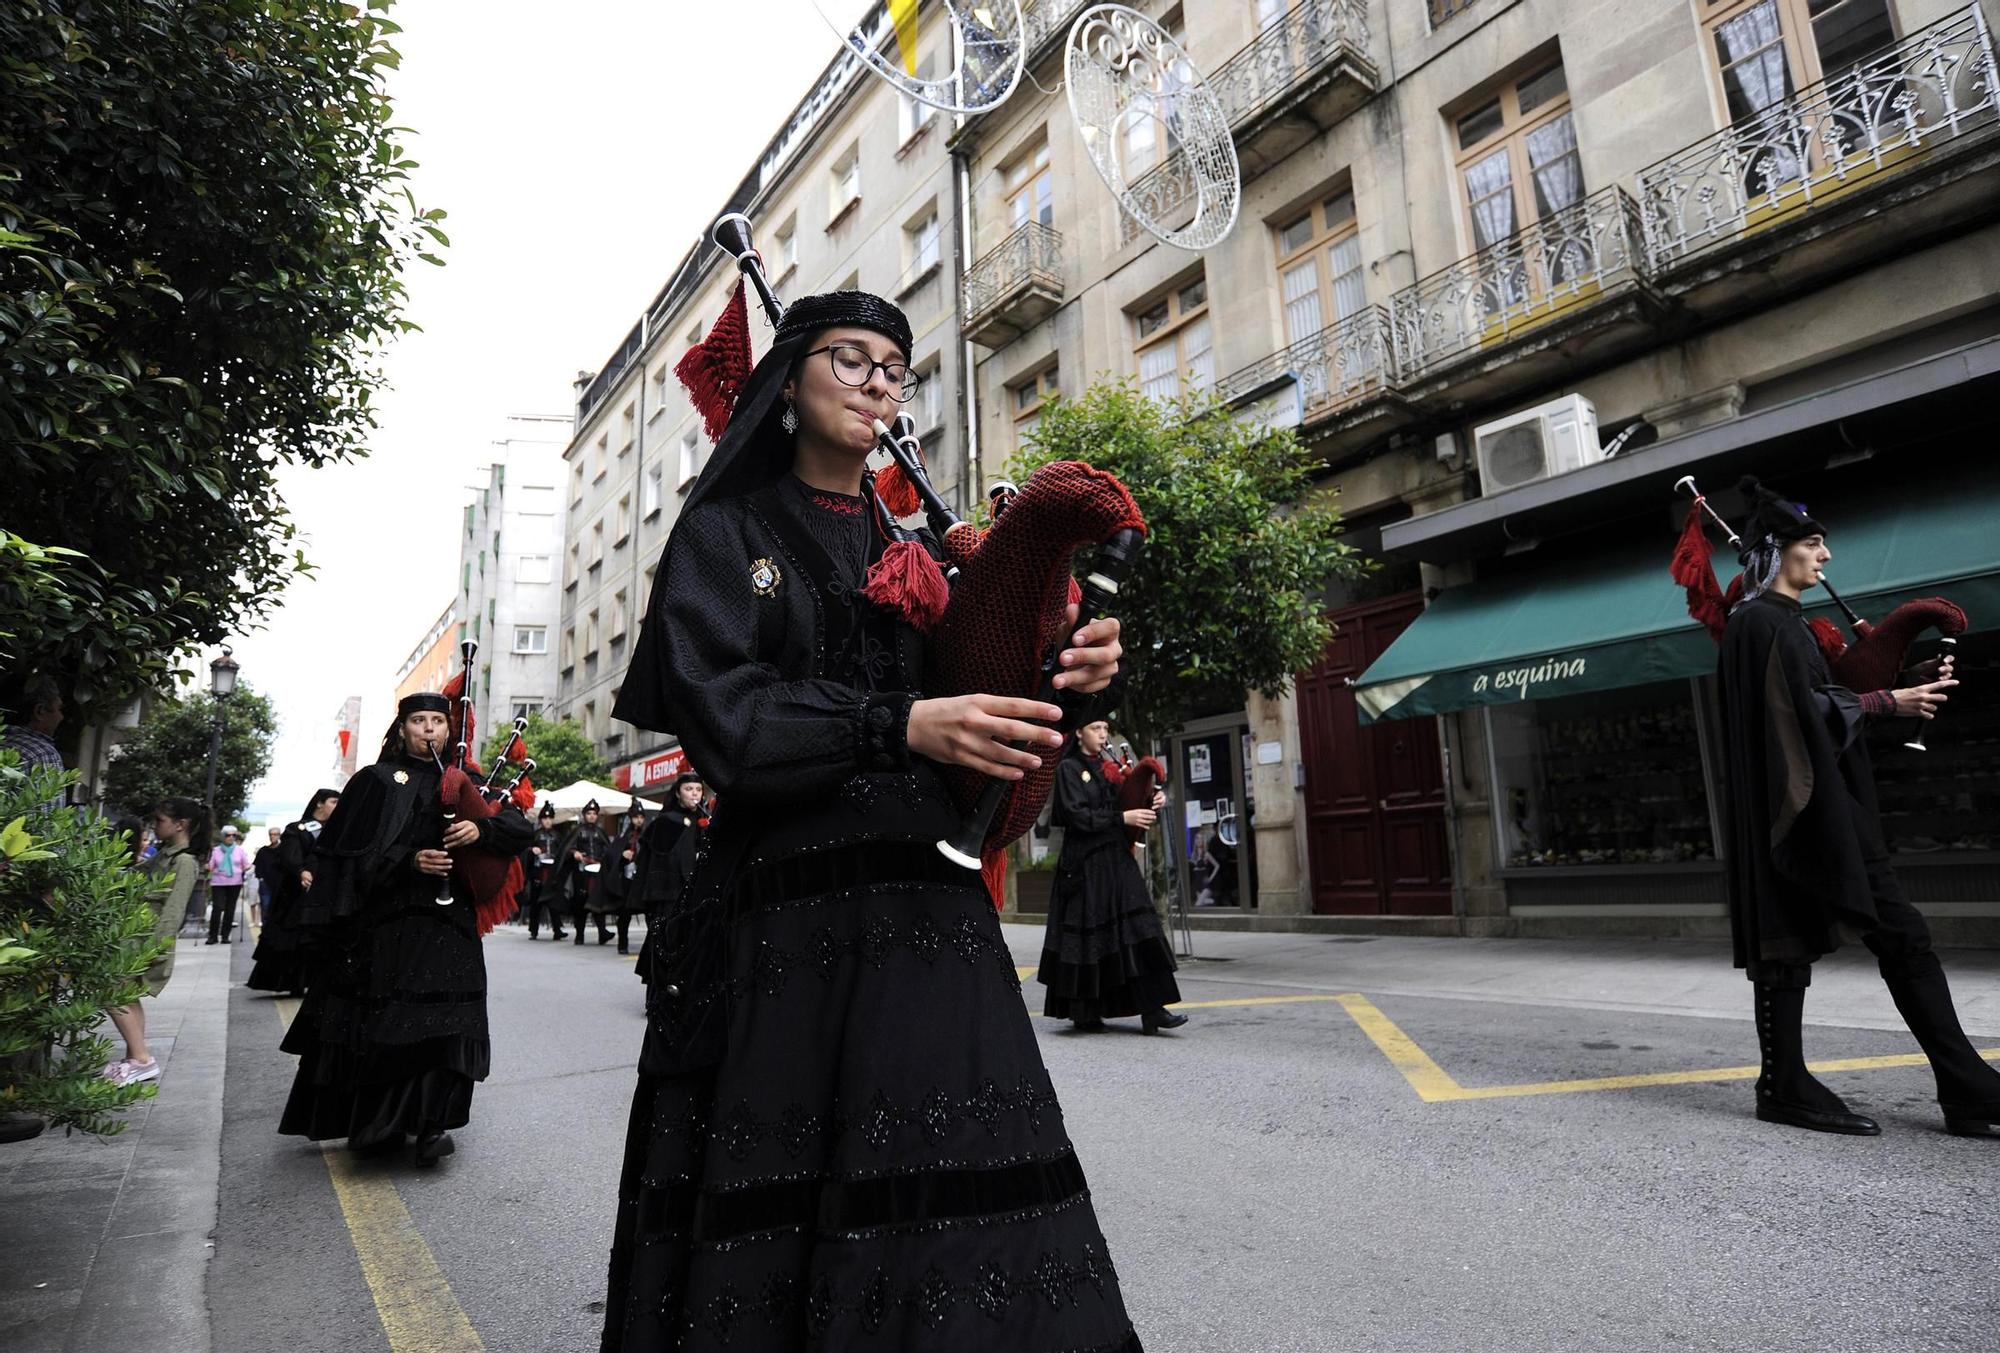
<point x="402" y="777"/>
<point x="765" y="577"/>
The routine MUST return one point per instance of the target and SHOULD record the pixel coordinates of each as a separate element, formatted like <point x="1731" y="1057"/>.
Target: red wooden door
<point x="1375" y="827"/>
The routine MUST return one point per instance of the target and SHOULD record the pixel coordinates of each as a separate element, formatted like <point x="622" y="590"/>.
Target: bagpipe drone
<point x="493" y="880"/>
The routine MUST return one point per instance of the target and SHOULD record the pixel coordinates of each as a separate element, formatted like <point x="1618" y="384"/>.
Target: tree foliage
<point x="203" y="226"/>
<point x="1228" y="594"/>
<point x="75" y="940"/>
<point x="563" y="755"/>
<point x="168" y="755"/>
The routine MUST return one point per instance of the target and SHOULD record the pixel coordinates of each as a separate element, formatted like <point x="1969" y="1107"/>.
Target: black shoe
<point x="1090" y="1024"/>
<point x="559" y="935"/>
<point x="211" y="940"/>
<point x="1162" y="1018"/>
<point x="604" y="937"/>
<point x="433" y="1147"/>
<point x="1968" y="1086"/>
<point x="623" y="950"/>
<point x="381" y="1146"/>
<point x="19" y="1127"/>
<point x="1770" y="1110"/>
<point x="1981" y="1122"/>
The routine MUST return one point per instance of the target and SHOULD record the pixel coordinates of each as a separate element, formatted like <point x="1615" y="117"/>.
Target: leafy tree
<point x="75" y="940"/>
<point x="1228" y="594"/>
<point x="563" y="755"/>
<point x="203" y="227"/>
<point x="168" y="755"/>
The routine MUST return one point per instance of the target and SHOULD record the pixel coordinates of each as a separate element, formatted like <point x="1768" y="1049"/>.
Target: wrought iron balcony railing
<point x="1562" y="261"/>
<point x="1300" y="41"/>
<point x="1349" y="359"/>
<point x="1444" y="9"/>
<point x="1030" y="258"/>
<point x="1043" y="20"/>
<point x="1827" y="139"/>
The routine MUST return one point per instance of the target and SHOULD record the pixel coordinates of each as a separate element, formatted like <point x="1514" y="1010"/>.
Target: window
<point x="570" y="575"/>
<point x="1764" y="49"/>
<point x="691" y="457"/>
<point x="1444" y="9"/>
<point x="915" y="114"/>
<point x="928" y="407"/>
<point x="596" y="543"/>
<point x="576" y="482"/>
<point x="617" y="629"/>
<point x="1026" y="400"/>
<point x="659" y="390"/>
<point x="628" y="424"/>
<point x="590" y="636"/>
<point x="623" y="529"/>
<point x="786" y="250"/>
<point x="537" y="500"/>
<point x="568" y="655"/>
<point x="589" y="724"/>
<point x="1517" y="156"/>
<point x="531" y="638"/>
<point x="922" y="242"/>
<point x="526" y="709"/>
<point x="600" y="458"/>
<point x="1319" y="267"/>
<point x="694" y="334"/>
<point x="845" y="188"/>
<point x="1030" y="187"/>
<point x="1174" y="350"/>
<point x="651" y="490"/>
<point x="534" y="568"/>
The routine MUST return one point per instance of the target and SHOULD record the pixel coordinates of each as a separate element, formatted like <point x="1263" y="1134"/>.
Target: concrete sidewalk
<point x="1669" y="977"/>
<point x="104" y="1244"/>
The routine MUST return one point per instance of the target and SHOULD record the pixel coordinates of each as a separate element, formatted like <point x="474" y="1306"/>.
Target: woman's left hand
<point x="1092" y="661"/>
<point x="461" y="833"/>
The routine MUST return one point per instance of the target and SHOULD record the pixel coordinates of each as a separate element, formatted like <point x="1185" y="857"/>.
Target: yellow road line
<point x="1024" y="973"/>
<point x="1426" y="1077"/>
<point x="413" y="1299"/>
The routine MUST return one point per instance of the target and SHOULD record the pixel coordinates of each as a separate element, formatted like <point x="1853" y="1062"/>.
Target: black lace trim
<point x="741" y="1130"/>
<point x="812" y="873"/>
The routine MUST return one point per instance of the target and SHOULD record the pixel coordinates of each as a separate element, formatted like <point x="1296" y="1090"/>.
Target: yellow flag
<point x="903" y="13"/>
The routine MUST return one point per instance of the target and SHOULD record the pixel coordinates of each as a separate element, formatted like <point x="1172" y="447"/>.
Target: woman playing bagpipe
<point x="1807" y="855"/>
<point x="392" y="1036"/>
<point x="843" y="1136"/>
<point x="618" y="886"/>
<point x="1104" y="953"/>
<point x="280" y="963"/>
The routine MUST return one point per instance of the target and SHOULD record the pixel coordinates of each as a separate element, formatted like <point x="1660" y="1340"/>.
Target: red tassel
<point x="714" y="370"/>
<point x="896" y="491"/>
<point x="1692" y="570"/>
<point x="908" y="582"/>
<point x="500" y="906"/>
<point x="523" y="795"/>
<point x="993" y="870"/>
<point x="1827" y="635"/>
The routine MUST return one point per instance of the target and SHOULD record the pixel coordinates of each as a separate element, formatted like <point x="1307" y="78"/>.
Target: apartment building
<point x="1721" y="236"/>
<point x="854" y="190"/>
<point x="434" y="658"/>
<point x="509" y="574"/>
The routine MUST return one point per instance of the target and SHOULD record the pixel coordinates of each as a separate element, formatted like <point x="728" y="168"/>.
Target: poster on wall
<point x="1198" y="764"/>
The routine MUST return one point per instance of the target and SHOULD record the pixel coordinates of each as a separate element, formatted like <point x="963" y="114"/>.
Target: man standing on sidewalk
<point x="1807" y="856"/>
<point x="41" y="711"/>
<point x="228" y="864"/>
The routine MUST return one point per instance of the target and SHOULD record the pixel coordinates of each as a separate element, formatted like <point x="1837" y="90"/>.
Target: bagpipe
<point x="995" y="608"/>
<point x="493" y="880"/>
<point x="1879" y="655"/>
<point x="1136" y="782"/>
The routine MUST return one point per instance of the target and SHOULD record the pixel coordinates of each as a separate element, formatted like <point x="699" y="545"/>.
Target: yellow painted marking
<point x="1024" y="973"/>
<point x="413" y="1299"/>
<point x="1425" y="1076"/>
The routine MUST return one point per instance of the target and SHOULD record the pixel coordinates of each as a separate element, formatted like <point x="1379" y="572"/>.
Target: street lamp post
<point x="221" y="684"/>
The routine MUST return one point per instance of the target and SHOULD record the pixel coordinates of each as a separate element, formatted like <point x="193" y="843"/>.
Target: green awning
<point x="1617" y="619"/>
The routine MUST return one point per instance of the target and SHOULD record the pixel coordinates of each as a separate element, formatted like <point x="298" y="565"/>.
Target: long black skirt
<point x="879" y="1161"/>
<point x="392" y="1036"/>
<point x="1104" y="952"/>
<point x="280" y="961"/>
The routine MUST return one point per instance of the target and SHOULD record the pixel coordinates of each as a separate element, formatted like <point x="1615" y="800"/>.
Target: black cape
<point x="1802" y="829"/>
<point x="280" y="963"/>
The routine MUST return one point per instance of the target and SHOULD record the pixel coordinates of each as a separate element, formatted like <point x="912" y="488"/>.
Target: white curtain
<point x="1343" y="261"/>
<point x="1158" y="377"/>
<point x="1486" y="184"/>
<point x="1558" y="172"/>
<point x="1302" y="318"/>
<point x="1196" y="355"/>
<point x="1753" y="59"/>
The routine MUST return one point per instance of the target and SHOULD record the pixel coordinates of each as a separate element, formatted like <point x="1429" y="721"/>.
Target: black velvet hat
<point x="593" y="807"/>
<point x="422" y="700"/>
<point x="548" y="811"/>
<point x="1770" y="517"/>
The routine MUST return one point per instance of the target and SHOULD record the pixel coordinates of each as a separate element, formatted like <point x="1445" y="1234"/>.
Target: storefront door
<point x="1213" y="814"/>
<point x="1375" y="828"/>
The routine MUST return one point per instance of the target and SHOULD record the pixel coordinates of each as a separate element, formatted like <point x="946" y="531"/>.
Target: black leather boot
<point x="1786" y="1091"/>
<point x="1968" y="1086"/>
<point x="433" y="1147"/>
<point x="1161" y="1018"/>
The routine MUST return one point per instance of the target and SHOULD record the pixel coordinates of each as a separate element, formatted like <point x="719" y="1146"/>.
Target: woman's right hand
<point x="1140" y="817"/>
<point x="973" y="731"/>
<point x="433" y="861"/>
<point x="1921" y="702"/>
<point x="305" y="880"/>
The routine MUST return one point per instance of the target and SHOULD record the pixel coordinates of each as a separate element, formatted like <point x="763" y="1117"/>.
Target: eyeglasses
<point x="853" y="366"/>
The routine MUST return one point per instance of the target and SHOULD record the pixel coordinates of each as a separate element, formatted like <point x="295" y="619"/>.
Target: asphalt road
<point x="1266" y="1177"/>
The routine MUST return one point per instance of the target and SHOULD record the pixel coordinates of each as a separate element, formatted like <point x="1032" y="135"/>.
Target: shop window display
<point x="1946" y="798"/>
<point x="1610" y="778"/>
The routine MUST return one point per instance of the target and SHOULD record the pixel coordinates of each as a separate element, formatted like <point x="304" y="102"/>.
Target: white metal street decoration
<point x="1155" y="130"/>
<point x="987" y="42"/>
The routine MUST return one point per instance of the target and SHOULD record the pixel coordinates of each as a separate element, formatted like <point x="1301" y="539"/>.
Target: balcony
<point x="1569" y="286"/>
<point x="1299" y="77"/>
<point x="1044" y="26"/>
<point x="1013" y="287"/>
<point x="1340" y="382"/>
<point x="1833" y="174"/>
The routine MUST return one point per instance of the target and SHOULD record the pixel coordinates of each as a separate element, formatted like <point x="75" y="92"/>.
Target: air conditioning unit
<point x="1549" y="439"/>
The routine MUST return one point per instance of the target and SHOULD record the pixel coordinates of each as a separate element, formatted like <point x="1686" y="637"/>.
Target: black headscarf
<point x="319" y="796"/>
<point x="755" y="450"/>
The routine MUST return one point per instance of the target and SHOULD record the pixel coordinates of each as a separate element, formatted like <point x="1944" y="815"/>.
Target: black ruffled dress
<point x="392" y="1035"/>
<point x="280" y="961"/>
<point x="843" y="1135"/>
<point x="1104" y="952"/>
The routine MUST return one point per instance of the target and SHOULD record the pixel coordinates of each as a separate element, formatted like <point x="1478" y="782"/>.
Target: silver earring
<point x="790" y="421"/>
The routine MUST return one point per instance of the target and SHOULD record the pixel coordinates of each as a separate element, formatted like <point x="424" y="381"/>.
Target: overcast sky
<point x="578" y="149"/>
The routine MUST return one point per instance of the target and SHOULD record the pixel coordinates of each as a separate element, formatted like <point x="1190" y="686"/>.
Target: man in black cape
<point x="1807" y="856"/>
<point x="580" y="868"/>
